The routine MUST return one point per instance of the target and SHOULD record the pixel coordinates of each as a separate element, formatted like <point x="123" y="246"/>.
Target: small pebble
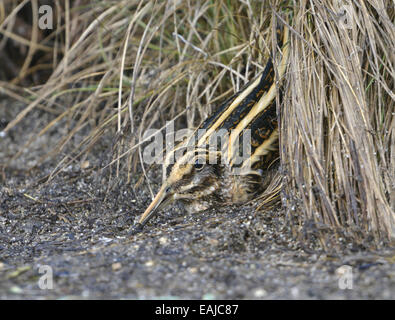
<point x="295" y="292"/>
<point x="85" y="164"/>
<point x="208" y="296"/>
<point x="163" y="240"/>
<point x="260" y="293"/>
<point x="193" y="270"/>
<point x="16" y="290"/>
<point x="149" y="263"/>
<point x="116" y="266"/>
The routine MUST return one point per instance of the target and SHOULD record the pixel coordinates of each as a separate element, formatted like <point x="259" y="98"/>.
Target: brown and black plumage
<point x="209" y="172"/>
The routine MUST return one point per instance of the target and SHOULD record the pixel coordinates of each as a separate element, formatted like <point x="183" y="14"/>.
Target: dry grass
<point x="338" y="124"/>
<point x="127" y="66"/>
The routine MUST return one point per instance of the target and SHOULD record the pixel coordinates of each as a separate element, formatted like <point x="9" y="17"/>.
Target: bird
<point x="206" y="172"/>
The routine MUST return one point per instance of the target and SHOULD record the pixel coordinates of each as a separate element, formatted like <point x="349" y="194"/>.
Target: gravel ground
<point x="76" y="229"/>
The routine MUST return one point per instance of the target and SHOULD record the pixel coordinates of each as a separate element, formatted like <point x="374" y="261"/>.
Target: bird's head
<point x="194" y="179"/>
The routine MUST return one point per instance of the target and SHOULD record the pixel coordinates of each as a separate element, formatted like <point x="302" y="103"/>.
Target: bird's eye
<point x="198" y="165"/>
<point x="168" y="189"/>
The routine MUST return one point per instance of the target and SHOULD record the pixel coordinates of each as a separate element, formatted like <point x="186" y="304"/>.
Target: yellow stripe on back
<point x="262" y="104"/>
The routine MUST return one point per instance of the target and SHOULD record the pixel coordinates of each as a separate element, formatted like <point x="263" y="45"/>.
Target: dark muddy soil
<point x="76" y="226"/>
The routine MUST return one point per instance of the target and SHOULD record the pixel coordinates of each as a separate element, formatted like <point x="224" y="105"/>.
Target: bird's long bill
<point x="160" y="201"/>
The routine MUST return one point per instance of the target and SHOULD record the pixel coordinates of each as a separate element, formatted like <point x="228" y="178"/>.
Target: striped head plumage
<point x="224" y="159"/>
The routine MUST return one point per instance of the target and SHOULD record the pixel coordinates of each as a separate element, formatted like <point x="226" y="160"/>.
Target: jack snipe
<point x="202" y="175"/>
